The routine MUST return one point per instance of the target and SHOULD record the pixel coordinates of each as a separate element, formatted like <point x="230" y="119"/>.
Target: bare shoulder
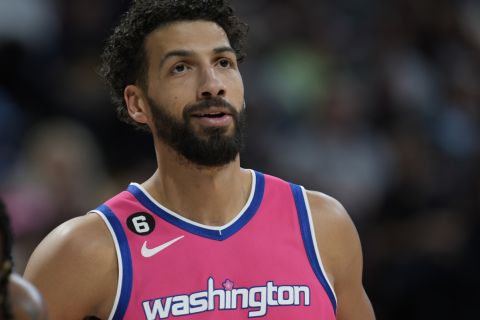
<point x="333" y="224"/>
<point x="326" y="207"/>
<point x="336" y="235"/>
<point x="77" y="259"/>
<point x="341" y="253"/>
<point x="80" y="240"/>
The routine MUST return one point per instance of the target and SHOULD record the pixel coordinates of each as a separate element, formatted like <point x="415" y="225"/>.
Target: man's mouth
<point x="212" y="113"/>
<point x="216" y="117"/>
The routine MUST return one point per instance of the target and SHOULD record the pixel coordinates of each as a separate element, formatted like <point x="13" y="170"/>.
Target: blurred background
<point x="374" y="102"/>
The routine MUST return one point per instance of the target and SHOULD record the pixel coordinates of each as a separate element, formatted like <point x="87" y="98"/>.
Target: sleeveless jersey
<point x="263" y="264"/>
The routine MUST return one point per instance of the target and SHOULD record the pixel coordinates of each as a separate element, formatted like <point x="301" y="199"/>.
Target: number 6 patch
<point x="141" y="223"/>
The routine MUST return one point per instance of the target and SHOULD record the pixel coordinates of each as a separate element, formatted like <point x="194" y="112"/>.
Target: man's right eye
<point x="179" y="68"/>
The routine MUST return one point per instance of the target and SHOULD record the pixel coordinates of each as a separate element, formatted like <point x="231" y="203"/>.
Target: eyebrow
<point x="189" y="53"/>
<point x="176" y="53"/>
<point x="223" y="49"/>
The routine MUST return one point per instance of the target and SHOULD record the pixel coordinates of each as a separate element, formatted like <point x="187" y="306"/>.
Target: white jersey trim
<point x="314" y="240"/>
<point x="119" y="261"/>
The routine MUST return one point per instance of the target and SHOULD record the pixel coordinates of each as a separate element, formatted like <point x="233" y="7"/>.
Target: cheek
<point x="237" y="90"/>
<point x="176" y="103"/>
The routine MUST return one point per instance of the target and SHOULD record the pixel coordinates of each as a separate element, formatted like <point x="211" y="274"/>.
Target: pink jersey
<point x="263" y="264"/>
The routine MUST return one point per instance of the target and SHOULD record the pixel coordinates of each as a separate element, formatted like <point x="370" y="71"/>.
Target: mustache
<point x="207" y="103"/>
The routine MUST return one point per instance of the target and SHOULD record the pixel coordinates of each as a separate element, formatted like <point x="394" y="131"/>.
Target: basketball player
<point x="19" y="300"/>
<point x="202" y="238"/>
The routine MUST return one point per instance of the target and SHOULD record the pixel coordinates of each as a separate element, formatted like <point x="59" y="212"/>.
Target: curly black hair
<point x="124" y="59"/>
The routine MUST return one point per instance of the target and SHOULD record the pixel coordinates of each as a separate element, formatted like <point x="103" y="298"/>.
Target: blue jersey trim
<point x="308" y="242"/>
<point x="220" y="234"/>
<point x="126" y="280"/>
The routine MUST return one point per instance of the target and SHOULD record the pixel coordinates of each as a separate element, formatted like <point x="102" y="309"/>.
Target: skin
<point x="183" y="69"/>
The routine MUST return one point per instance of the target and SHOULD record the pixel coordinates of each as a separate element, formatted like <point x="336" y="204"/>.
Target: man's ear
<point x="136" y="105"/>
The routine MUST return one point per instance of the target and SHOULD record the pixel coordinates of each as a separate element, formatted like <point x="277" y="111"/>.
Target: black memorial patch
<point x="141" y="223"/>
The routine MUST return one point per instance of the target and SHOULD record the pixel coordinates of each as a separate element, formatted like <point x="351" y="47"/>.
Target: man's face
<point x="195" y="91"/>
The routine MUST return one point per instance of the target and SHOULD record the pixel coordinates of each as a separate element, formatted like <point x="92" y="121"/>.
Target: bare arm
<point x="75" y="269"/>
<point x="341" y="253"/>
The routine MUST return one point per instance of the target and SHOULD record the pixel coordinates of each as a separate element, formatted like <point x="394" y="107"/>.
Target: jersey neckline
<point x="211" y="232"/>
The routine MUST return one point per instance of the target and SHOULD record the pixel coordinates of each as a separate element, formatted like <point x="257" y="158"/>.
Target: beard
<point x="210" y="147"/>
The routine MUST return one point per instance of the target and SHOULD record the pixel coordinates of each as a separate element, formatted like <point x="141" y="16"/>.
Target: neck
<point x="211" y="196"/>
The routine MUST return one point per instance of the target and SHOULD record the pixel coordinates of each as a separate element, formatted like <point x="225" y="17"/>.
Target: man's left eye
<point x="224" y="63"/>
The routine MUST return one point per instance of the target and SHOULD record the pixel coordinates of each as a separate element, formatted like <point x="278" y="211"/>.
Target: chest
<point x="257" y="266"/>
<point x="261" y="269"/>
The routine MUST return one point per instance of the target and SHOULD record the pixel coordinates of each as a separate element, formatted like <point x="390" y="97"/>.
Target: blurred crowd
<point x="374" y="102"/>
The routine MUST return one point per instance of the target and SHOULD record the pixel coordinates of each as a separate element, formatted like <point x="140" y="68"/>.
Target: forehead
<point x="197" y="36"/>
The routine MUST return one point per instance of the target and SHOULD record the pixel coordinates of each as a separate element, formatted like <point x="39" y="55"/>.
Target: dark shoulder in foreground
<point x="26" y="301"/>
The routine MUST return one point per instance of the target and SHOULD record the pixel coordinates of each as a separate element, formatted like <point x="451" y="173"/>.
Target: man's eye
<point x="179" y="68"/>
<point x="224" y="63"/>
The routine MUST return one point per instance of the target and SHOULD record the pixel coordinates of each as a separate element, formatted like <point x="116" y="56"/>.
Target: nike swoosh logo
<point x="150" y="252"/>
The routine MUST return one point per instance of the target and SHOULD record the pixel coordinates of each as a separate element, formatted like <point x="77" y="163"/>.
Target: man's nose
<point x="211" y="85"/>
